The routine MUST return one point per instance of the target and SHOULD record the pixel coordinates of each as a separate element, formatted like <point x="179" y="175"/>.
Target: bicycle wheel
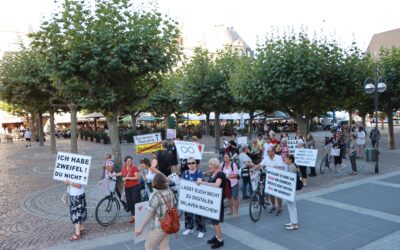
<point x="324" y="163"/>
<point x="107" y="211"/>
<point x="255" y="206"/>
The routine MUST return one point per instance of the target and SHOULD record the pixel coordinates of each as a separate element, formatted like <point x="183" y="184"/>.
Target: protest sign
<point x="140" y="214"/>
<point x="305" y="157"/>
<point x="281" y="183"/>
<point x="186" y="150"/>
<point x="292" y="144"/>
<point x="242" y="140"/>
<point x="201" y="148"/>
<point x="72" y="167"/>
<point x="148" y="143"/>
<point x="200" y="199"/>
<point x="171" y="133"/>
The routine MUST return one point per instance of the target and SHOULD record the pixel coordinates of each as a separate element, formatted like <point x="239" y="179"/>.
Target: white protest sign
<point x="140" y="214"/>
<point x="147" y="138"/>
<point x="186" y="150"/>
<point x="171" y="133"/>
<point x="281" y="183"/>
<point x="292" y="145"/>
<point x="72" y="167"/>
<point x="305" y="157"/>
<point x="242" y="140"/>
<point x="200" y="199"/>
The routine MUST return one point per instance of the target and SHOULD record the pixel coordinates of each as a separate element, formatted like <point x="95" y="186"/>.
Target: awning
<point x="13" y="119"/>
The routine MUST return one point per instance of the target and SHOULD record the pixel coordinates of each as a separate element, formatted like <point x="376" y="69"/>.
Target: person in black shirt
<point x="163" y="159"/>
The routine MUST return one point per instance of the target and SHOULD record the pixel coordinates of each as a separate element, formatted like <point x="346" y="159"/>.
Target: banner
<point x="200" y="199"/>
<point x="140" y="213"/>
<point x="72" y="167"/>
<point x="242" y="140"/>
<point x="186" y="150"/>
<point x="171" y="133"/>
<point x="148" y="143"/>
<point x="305" y="157"/>
<point x="292" y="145"/>
<point x="281" y="183"/>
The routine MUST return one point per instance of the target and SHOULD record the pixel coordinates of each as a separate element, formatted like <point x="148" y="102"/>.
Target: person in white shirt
<point x="268" y="143"/>
<point x="360" y="142"/>
<point x="77" y="207"/>
<point x="245" y="164"/>
<point x="27" y="136"/>
<point x="274" y="161"/>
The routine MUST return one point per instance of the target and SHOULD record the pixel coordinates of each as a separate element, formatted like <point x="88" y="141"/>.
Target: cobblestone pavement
<point x="33" y="215"/>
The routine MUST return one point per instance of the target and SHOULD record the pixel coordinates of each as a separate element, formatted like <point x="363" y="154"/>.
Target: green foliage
<point x="390" y="65"/>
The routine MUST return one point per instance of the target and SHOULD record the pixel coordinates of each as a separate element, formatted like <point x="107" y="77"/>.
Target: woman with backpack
<point x="217" y="180"/>
<point x="193" y="174"/>
<point x="293" y="224"/>
<point x="231" y="172"/>
<point x="157" y="209"/>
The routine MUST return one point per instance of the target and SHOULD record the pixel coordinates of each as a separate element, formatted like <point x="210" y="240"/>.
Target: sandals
<point x="74" y="237"/>
<point x="83" y="231"/>
<point x="292" y="227"/>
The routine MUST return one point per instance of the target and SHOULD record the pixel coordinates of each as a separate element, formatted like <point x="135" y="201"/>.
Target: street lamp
<point x="375" y="86"/>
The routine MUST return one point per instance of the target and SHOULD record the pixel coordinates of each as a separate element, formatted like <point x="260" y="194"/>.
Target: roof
<point x="386" y="40"/>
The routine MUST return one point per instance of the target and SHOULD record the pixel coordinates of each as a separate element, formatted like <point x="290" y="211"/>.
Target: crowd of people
<point x="237" y="171"/>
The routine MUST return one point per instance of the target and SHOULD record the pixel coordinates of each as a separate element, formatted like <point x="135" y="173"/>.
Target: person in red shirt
<point x="272" y="137"/>
<point x="130" y="177"/>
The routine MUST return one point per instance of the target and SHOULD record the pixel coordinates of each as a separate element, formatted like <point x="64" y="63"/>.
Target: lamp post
<point x="375" y="86"/>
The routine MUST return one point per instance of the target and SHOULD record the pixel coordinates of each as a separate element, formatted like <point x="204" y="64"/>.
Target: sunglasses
<point x="190" y="163"/>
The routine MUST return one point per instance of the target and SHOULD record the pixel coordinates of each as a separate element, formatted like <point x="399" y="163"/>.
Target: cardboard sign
<point x="242" y="140"/>
<point x="147" y="139"/>
<point x="200" y="199"/>
<point x="147" y="143"/>
<point x="72" y="167"/>
<point x="148" y="148"/>
<point x="281" y="183"/>
<point x="140" y="213"/>
<point x="292" y="144"/>
<point x="171" y="133"/>
<point x="305" y="157"/>
<point x="186" y="150"/>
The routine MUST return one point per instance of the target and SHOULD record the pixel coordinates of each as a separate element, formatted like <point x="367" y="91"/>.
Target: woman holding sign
<point x="77" y="208"/>
<point x="193" y="174"/>
<point x="130" y="174"/>
<point x="293" y="224"/>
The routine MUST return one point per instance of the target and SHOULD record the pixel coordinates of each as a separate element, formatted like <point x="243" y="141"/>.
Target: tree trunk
<point x="53" y="147"/>
<point x="74" y="138"/>
<point x="363" y="119"/>
<point x="32" y="126"/>
<point x="166" y="121"/>
<point x="251" y="118"/>
<point x="207" y="123"/>
<point x="217" y="128"/>
<point x="382" y="124"/>
<point x="112" y="121"/>
<point x="392" y="144"/>
<point x="134" y="115"/>
<point x="40" y="127"/>
<point x="303" y="122"/>
<point x="350" y="118"/>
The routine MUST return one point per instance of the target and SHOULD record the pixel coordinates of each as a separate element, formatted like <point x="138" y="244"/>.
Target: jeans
<point x="191" y="219"/>
<point x="246" y="186"/>
<point x="353" y="163"/>
<point x="132" y="197"/>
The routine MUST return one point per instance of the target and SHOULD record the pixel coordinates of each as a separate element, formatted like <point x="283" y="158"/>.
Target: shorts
<point x="28" y="139"/>
<point x="235" y="191"/>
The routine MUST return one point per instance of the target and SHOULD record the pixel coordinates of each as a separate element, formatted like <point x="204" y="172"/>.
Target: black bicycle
<point x="107" y="210"/>
<point x="258" y="200"/>
<point x="326" y="162"/>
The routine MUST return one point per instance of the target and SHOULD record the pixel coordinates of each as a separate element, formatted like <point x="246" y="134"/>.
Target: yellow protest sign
<point x="148" y="148"/>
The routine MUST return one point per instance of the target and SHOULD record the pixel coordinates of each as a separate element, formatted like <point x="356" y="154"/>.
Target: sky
<point x="346" y="20"/>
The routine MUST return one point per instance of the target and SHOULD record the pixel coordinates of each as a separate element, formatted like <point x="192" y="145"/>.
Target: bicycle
<point x="257" y="199"/>
<point x="107" y="210"/>
<point x="326" y="162"/>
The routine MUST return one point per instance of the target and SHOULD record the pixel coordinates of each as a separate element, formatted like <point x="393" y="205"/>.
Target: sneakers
<point x="292" y="227"/>
<point x="200" y="235"/>
<point x="288" y="224"/>
<point x="272" y="210"/>
<point x="187" y="232"/>
<point x="217" y="244"/>
<point x="213" y="240"/>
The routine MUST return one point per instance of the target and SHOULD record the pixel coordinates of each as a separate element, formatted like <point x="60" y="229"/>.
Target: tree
<point x="110" y="56"/>
<point x="301" y="74"/>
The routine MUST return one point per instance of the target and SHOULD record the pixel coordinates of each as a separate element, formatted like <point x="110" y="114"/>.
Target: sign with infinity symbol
<point x="188" y="150"/>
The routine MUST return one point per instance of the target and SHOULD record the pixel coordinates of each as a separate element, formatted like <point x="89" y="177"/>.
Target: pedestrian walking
<point x="77" y="208"/>
<point x="230" y="170"/>
<point x="130" y="174"/>
<point x="245" y="163"/>
<point x="156" y="211"/>
<point x="311" y="145"/>
<point x="293" y="224"/>
<point x="374" y="136"/>
<point x="353" y="154"/>
<point x="193" y="174"/>
<point x="28" y="136"/>
<point x="218" y="180"/>
<point x="360" y="142"/>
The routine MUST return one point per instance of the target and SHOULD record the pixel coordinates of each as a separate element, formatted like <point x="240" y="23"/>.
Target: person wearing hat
<point x="245" y="164"/>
